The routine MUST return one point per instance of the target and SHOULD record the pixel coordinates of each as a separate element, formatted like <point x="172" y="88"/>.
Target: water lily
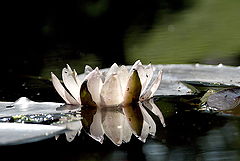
<point x="116" y="86"/>
<point x="112" y="100"/>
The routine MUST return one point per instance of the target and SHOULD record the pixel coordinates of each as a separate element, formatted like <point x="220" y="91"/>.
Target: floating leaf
<point x="199" y="86"/>
<point x="24" y="106"/>
<point x="227" y="99"/>
<point x="17" y="133"/>
<point x="173" y="74"/>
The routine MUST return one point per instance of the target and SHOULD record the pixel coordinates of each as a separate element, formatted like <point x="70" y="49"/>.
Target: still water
<point x="189" y="135"/>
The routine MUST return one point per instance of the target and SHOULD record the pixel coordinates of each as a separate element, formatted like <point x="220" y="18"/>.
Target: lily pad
<point x="224" y="100"/>
<point x="198" y="86"/>
<point x="24" y="106"/>
<point x="174" y="74"/>
<point x="17" y="133"/>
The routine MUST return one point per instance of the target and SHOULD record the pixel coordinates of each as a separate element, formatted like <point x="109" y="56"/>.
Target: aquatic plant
<point x="112" y="101"/>
<point x="112" y="87"/>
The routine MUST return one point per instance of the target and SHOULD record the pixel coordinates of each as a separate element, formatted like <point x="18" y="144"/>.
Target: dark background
<point x="43" y="36"/>
<point x="34" y="29"/>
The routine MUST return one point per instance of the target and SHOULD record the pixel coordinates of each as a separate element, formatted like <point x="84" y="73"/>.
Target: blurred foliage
<point x="208" y="32"/>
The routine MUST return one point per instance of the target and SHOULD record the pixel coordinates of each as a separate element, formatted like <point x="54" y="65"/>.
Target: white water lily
<point x="116" y="96"/>
<point x="108" y="88"/>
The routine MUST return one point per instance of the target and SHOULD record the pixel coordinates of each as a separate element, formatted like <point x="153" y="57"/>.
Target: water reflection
<point x="215" y="144"/>
<point x="118" y="123"/>
<point x="189" y="135"/>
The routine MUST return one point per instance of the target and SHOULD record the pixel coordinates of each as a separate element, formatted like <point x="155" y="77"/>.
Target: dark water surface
<point x="189" y="135"/>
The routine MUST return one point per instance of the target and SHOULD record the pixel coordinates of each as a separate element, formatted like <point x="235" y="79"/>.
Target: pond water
<point x="188" y="32"/>
<point x="190" y="134"/>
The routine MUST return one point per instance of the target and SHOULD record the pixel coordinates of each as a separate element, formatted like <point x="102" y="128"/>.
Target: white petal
<point x="74" y="127"/>
<point x="88" y="69"/>
<point x="153" y="87"/>
<point x="135" y="65"/>
<point x="69" y="68"/>
<point x="142" y="75"/>
<point x="91" y="73"/>
<point x="145" y="74"/>
<point x="112" y="121"/>
<point x="70" y="82"/>
<point x="133" y="89"/>
<point x="123" y="76"/>
<point x="95" y="85"/>
<point x="111" y="93"/>
<point x="149" y="120"/>
<point x="153" y="107"/>
<point x="96" y="128"/>
<point x="78" y="81"/>
<point x="145" y="132"/>
<point x="62" y="92"/>
<point x="70" y="135"/>
<point x="149" y="126"/>
<point x="113" y="70"/>
<point x="56" y="137"/>
<point x="127" y="132"/>
<point x="149" y="75"/>
<point x="156" y="83"/>
<point x="75" y="76"/>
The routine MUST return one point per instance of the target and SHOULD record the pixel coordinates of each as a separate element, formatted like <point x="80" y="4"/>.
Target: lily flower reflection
<point x="118" y="90"/>
<point x="118" y="123"/>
